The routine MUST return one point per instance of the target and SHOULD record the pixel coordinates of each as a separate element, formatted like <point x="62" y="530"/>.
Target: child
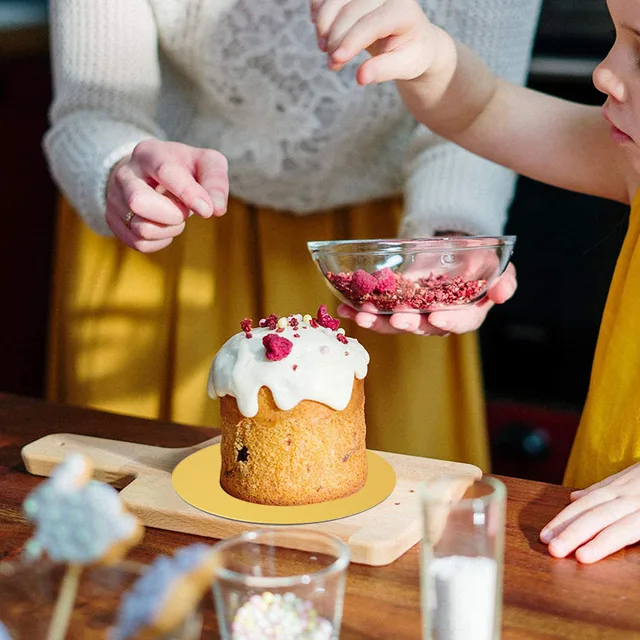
<point x="587" y="149"/>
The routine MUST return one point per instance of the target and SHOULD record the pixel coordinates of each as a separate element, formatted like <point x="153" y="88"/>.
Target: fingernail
<point x="559" y="548"/>
<point x="585" y="556"/>
<point x="219" y="202"/>
<point x="404" y="325"/>
<point x="546" y="535"/>
<point x="339" y="54"/>
<point x="440" y="323"/>
<point x="366" y="324"/>
<point x="202" y="208"/>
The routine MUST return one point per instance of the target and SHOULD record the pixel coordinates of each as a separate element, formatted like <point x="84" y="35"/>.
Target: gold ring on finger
<point x="128" y="218"/>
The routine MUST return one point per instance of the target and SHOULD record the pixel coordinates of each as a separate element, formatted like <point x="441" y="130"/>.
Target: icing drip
<point x="319" y="367"/>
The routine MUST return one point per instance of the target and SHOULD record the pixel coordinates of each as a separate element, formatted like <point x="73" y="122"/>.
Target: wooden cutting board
<point x="376" y="537"/>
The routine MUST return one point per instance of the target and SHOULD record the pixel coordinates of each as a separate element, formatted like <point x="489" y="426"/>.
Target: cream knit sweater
<point x="246" y="77"/>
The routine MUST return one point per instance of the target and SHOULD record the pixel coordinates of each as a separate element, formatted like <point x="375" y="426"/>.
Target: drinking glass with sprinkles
<point x="420" y="276"/>
<point x="263" y="591"/>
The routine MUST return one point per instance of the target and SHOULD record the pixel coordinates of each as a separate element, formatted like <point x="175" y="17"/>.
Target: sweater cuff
<point x="451" y="189"/>
<point x="81" y="153"/>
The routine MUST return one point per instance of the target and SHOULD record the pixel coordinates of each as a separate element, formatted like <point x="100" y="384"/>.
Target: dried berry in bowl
<point x="419" y="276"/>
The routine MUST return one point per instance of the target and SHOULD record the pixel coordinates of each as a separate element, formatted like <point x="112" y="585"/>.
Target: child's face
<point x="618" y="76"/>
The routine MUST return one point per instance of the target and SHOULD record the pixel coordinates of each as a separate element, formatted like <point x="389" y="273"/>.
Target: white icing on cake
<point x="324" y="373"/>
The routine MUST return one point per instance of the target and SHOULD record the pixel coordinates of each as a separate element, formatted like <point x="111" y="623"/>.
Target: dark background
<point x="537" y="350"/>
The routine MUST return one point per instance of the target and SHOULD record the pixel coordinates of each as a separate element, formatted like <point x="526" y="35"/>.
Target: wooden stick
<point x="64" y="604"/>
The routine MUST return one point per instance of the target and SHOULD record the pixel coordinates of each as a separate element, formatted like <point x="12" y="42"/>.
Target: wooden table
<point x="544" y="598"/>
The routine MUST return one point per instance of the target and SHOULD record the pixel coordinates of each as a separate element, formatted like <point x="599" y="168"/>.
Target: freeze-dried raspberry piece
<point x="341" y="281"/>
<point x="395" y="292"/>
<point x="270" y="322"/>
<point x="246" y="325"/>
<point x="325" y="320"/>
<point x="385" y="280"/>
<point x="363" y="282"/>
<point x="342" y="338"/>
<point x="276" y="347"/>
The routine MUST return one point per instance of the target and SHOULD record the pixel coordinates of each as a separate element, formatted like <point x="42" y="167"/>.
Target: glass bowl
<point x="281" y="583"/>
<point x="419" y="276"/>
<point x="29" y="591"/>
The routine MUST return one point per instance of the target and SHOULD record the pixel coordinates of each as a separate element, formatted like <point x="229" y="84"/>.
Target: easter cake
<point x="292" y="411"/>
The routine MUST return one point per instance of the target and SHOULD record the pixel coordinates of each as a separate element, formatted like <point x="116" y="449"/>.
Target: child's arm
<point x="448" y="88"/>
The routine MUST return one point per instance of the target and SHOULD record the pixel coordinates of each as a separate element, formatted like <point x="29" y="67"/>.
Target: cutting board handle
<point x="114" y="461"/>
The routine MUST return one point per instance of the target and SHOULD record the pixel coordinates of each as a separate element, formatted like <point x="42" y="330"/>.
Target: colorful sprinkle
<point x="285" y="617"/>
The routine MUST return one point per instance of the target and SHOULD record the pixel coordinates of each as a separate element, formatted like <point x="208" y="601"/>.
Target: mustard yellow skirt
<point x="135" y="334"/>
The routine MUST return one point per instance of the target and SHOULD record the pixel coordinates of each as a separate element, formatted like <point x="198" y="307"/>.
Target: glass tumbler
<point x="462" y="558"/>
<point x="29" y="592"/>
<point x="280" y="583"/>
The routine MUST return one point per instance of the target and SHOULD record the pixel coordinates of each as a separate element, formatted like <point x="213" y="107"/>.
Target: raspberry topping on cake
<point x="264" y="356"/>
<point x="325" y="320"/>
<point x="276" y="347"/>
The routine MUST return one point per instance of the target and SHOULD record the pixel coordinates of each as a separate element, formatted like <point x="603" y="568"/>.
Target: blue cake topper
<point x="141" y="606"/>
<point x="78" y="520"/>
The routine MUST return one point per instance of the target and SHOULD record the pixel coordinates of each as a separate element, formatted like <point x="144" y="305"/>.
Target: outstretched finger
<point x="572" y="512"/>
<point x="181" y="182"/>
<point x="366" y="319"/>
<point x="617" y="536"/>
<point x="417" y="323"/>
<point x="212" y="174"/>
<point x="326" y="14"/>
<point x="590" y="524"/>
<point x="462" y="320"/>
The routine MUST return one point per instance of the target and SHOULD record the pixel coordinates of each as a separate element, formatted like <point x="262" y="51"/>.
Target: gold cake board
<point x="197" y="481"/>
<point x="377" y="536"/>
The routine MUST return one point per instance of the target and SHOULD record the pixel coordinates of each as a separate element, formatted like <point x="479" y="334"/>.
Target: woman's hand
<point x="438" y="323"/>
<point x="601" y="519"/>
<point x="151" y="194"/>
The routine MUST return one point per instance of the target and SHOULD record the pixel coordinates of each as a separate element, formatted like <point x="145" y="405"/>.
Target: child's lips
<point x="620" y="136"/>
<point x="617" y="134"/>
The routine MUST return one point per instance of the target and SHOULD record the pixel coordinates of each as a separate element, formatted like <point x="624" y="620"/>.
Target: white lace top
<point x="246" y="77"/>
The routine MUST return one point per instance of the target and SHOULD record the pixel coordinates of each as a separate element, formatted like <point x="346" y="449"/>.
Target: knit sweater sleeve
<point x="106" y="76"/>
<point x="446" y="187"/>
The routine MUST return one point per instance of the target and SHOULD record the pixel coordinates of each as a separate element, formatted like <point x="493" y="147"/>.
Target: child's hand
<point x="151" y="193"/>
<point x="396" y="33"/>
<point x="438" y="323"/>
<point x="600" y="521"/>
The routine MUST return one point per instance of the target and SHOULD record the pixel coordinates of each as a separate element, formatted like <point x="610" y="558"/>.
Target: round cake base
<point x="196" y="480"/>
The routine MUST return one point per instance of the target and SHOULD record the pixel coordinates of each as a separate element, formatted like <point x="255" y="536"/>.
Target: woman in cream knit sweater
<point x="311" y="155"/>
